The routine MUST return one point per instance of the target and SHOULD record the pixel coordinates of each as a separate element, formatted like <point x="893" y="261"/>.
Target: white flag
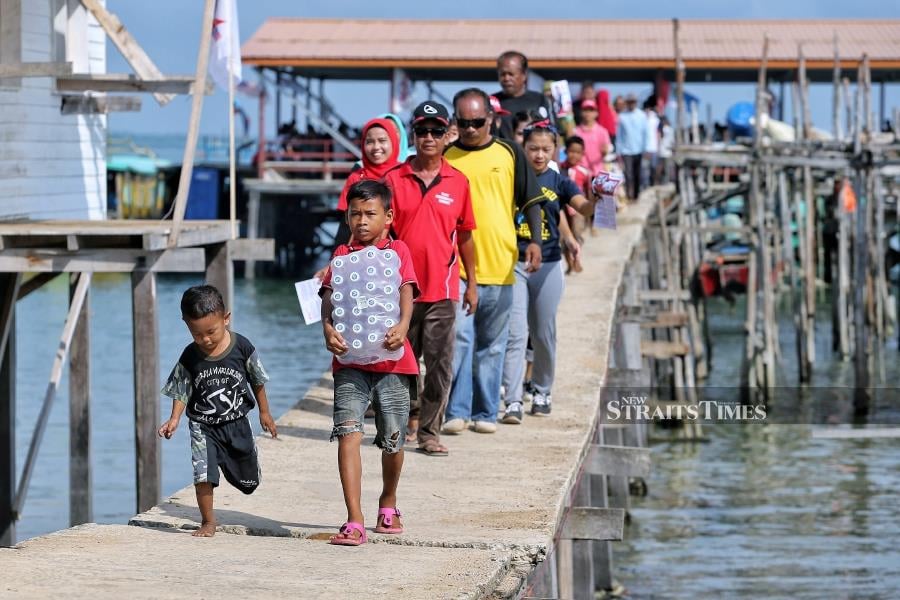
<point x="226" y="44"/>
<point x="401" y="91"/>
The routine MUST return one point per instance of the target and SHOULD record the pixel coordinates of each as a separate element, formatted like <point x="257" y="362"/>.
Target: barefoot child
<point x="216" y="380"/>
<point x="387" y="384"/>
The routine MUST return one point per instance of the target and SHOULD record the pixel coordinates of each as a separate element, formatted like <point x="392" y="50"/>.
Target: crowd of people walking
<point x="484" y="215"/>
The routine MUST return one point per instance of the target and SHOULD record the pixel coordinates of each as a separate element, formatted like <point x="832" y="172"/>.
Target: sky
<point x="169" y="31"/>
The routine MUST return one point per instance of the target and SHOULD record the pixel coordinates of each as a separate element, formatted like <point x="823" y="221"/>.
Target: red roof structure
<point x="466" y="50"/>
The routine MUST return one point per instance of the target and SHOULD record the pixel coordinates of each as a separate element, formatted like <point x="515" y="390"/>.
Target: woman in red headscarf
<point x="607" y="117"/>
<point x="380" y="152"/>
<point x="381" y="149"/>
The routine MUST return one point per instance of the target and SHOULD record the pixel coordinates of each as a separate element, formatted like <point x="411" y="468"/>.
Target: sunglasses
<point x="436" y="132"/>
<point x="473" y="123"/>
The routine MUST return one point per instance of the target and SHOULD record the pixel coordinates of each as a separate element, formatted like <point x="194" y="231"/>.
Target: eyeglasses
<point x="436" y="132"/>
<point x="473" y="123"/>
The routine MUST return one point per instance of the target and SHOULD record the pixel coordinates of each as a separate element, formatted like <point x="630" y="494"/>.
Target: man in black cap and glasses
<point x="433" y="216"/>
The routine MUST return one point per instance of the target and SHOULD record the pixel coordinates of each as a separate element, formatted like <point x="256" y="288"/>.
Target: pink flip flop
<point x="347" y="530"/>
<point x="387" y="521"/>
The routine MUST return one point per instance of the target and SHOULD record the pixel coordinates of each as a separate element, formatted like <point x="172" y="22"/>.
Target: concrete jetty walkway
<point x="476" y="521"/>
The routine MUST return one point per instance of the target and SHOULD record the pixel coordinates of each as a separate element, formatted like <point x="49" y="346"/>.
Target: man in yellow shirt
<point x="504" y="190"/>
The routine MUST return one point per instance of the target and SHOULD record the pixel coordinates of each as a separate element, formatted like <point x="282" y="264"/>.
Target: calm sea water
<point x="768" y="511"/>
<point x="266" y="311"/>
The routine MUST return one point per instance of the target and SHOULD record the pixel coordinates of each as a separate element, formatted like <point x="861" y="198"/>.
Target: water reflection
<point x="767" y="511"/>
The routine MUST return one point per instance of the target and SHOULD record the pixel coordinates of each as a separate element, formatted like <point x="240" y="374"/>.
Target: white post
<point x="232" y="177"/>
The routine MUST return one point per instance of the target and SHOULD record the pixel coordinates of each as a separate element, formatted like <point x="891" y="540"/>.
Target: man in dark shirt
<point x="512" y="73"/>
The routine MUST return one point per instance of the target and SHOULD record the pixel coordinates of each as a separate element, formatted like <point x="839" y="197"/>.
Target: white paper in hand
<point x="310" y="303"/>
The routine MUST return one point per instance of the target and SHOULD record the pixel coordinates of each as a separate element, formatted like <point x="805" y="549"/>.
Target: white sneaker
<point x="541" y="404"/>
<point x="485" y="427"/>
<point x="454" y="426"/>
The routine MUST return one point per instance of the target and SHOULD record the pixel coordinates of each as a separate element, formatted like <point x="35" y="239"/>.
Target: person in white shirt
<point x="651" y="143"/>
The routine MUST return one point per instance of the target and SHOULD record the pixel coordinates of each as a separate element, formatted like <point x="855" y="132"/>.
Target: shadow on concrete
<point x="188" y="519"/>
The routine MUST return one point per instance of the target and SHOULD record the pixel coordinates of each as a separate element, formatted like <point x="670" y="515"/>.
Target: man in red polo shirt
<point x="433" y="216"/>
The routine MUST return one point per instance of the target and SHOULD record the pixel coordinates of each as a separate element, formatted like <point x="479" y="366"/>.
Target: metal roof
<point x="713" y="50"/>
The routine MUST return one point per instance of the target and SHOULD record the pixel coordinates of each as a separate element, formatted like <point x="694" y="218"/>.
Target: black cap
<point x="431" y="110"/>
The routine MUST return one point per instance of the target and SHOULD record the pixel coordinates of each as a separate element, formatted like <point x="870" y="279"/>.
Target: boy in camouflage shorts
<point x="216" y="380"/>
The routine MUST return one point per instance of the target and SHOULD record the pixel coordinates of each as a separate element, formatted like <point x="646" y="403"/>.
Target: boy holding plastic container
<point x="367" y="304"/>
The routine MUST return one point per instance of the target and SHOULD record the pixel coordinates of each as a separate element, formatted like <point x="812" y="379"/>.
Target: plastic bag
<point x="366" y="303"/>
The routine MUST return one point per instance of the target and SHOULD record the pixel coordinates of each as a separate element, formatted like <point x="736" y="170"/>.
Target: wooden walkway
<point x="477" y="522"/>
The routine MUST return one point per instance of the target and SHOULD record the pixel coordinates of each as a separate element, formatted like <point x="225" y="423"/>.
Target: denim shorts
<point x="389" y="394"/>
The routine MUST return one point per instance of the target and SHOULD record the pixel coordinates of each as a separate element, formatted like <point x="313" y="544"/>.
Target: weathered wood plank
<point x="662" y="350"/>
<point x="99" y="105"/>
<point x="80" y="477"/>
<point x="35" y="69"/>
<point x="176" y="260"/>
<point x="122" y="82"/>
<point x="258" y="249"/>
<point x="145" y="338"/>
<point x="663" y="295"/>
<point x="618" y="460"/>
<point x="586" y="523"/>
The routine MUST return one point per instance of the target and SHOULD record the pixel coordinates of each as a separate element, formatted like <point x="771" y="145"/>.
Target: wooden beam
<point x="190" y="144"/>
<point x="80" y="478"/>
<point x="35" y="69"/>
<point x="99" y="105"/>
<point x="622" y="461"/>
<point x="36" y="282"/>
<point x="258" y="249"/>
<point x="145" y="339"/>
<point x="9" y="289"/>
<point x="75" y="306"/>
<point x="122" y="82"/>
<point x="662" y="350"/>
<point x="128" y="46"/>
<point x="176" y="260"/>
<point x="586" y="523"/>
<point x="663" y="295"/>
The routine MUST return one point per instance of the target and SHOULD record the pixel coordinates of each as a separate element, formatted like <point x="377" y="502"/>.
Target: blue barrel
<point x="738" y="118"/>
<point x="203" y="199"/>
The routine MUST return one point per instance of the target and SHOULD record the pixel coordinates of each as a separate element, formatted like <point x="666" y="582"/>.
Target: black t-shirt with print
<point x="217" y="389"/>
<point x="559" y="190"/>
<point x="528" y="102"/>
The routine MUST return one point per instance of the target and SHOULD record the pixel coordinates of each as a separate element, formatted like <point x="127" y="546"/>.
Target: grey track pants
<point x="536" y="297"/>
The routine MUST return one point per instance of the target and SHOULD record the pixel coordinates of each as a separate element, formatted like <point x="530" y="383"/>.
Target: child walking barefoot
<point x="213" y="381"/>
<point x="387" y="384"/>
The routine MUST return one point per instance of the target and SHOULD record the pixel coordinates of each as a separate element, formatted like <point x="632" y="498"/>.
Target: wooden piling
<point x="146" y="388"/>
<point x="80" y="477"/>
<point x="860" y="266"/>
<point x="679" y="84"/>
<point x="9" y="291"/>
<point x="583" y="550"/>
<point x="220" y="273"/>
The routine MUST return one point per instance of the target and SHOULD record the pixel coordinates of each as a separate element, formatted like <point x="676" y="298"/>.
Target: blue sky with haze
<point x="169" y="31"/>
